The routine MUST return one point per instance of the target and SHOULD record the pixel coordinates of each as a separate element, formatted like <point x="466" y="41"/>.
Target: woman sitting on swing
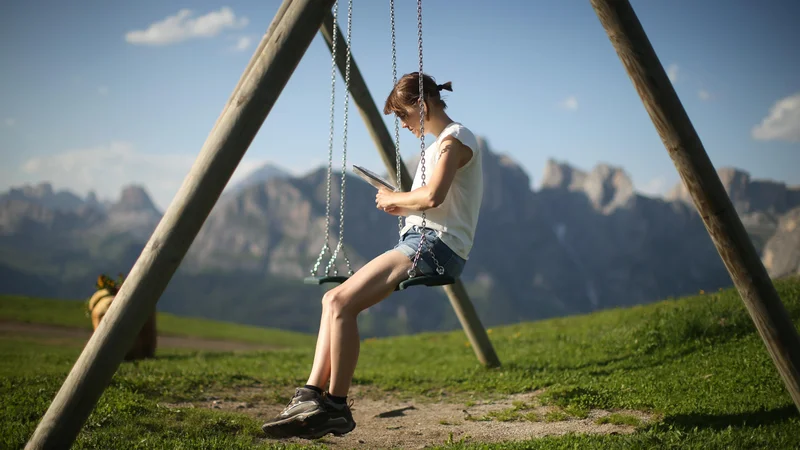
<point x="451" y="199"/>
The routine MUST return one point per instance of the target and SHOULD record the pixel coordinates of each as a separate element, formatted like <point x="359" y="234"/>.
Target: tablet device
<point x="372" y="178"/>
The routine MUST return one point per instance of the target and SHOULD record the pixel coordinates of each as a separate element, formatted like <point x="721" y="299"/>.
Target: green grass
<point x="696" y="363"/>
<point x="619" y="419"/>
<point x="72" y="313"/>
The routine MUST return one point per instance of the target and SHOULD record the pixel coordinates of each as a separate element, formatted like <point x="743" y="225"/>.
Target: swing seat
<point x="322" y="280"/>
<point x="426" y="280"/>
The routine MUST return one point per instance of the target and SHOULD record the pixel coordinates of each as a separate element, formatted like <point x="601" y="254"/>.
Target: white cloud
<point x="782" y="123"/>
<point x="243" y="43"/>
<point x="704" y="94"/>
<point x="10" y="122"/>
<point x="672" y="72"/>
<point x="655" y="187"/>
<point x="102" y="90"/>
<point x="182" y="26"/>
<point x="106" y="169"/>
<point x="570" y="103"/>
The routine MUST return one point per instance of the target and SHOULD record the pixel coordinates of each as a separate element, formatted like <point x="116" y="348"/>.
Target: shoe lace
<point x="291" y="400"/>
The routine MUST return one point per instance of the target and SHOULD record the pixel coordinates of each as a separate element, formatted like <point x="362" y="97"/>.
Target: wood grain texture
<point x="456" y="293"/>
<point x="471" y="323"/>
<point x="184" y="217"/>
<point x="701" y="180"/>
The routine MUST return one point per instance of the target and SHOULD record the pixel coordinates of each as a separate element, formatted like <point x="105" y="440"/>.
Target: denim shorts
<point x="409" y="242"/>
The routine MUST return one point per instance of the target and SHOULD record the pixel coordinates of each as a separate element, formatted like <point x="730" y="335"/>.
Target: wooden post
<point x="222" y="151"/>
<point x="699" y="176"/>
<point x="465" y="311"/>
<point x="383" y="141"/>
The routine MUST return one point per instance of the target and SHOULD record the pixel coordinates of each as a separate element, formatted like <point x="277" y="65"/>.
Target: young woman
<point x="451" y="199"/>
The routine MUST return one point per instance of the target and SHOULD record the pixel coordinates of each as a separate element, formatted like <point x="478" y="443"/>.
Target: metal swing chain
<point x="396" y="119"/>
<point x="339" y="246"/>
<point x="326" y="247"/>
<point x="439" y="269"/>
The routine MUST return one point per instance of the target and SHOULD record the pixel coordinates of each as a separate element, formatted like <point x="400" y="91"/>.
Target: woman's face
<point x="410" y="119"/>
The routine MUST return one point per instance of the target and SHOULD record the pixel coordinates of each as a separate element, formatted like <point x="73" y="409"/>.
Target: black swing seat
<point x="426" y="280"/>
<point x="323" y="280"/>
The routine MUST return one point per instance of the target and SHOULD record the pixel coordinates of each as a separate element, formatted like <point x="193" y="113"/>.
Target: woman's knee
<point x="337" y="303"/>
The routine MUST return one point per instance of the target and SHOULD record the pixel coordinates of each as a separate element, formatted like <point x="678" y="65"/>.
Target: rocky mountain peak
<point x="561" y="175"/>
<point x="747" y="194"/>
<point x="41" y="190"/>
<point x="606" y="186"/>
<point x="44" y="195"/>
<point x="506" y="186"/>
<point x="134" y="198"/>
<point x="91" y="199"/>
<point x="735" y="181"/>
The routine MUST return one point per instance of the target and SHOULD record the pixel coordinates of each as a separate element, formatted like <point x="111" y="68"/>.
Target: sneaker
<point x="304" y="404"/>
<point x="336" y="418"/>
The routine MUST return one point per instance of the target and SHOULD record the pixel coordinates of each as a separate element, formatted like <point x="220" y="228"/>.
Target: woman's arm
<point x="454" y="155"/>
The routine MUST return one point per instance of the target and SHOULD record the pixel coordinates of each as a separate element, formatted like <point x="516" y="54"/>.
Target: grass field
<point x="73" y="314"/>
<point x="694" y="365"/>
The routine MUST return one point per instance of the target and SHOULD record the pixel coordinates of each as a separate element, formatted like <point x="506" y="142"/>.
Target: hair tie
<point x="448" y="86"/>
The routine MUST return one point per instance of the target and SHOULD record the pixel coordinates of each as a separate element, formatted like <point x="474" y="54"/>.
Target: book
<point x="373" y="178"/>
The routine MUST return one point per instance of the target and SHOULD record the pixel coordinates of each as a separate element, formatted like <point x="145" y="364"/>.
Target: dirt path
<point x="55" y="334"/>
<point x="389" y="423"/>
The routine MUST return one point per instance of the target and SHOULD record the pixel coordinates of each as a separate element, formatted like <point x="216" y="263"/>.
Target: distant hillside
<point x="582" y="242"/>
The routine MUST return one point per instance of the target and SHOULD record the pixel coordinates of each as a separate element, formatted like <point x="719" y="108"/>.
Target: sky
<point x="107" y="94"/>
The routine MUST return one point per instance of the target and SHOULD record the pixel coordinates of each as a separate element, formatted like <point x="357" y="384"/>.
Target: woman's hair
<point x="406" y="93"/>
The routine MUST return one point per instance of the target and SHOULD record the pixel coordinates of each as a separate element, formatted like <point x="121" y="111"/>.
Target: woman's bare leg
<point x="321" y="369"/>
<point x="368" y="286"/>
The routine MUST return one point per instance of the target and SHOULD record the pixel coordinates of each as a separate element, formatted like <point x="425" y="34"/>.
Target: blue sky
<point x="87" y="108"/>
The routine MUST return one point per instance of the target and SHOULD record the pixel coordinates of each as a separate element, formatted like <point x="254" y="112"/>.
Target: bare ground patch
<point x="387" y="422"/>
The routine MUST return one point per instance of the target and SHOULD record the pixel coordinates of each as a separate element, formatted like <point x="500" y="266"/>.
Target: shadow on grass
<point x="752" y="419"/>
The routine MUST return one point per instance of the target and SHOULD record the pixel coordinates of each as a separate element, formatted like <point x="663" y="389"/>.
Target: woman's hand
<point x="383" y="199"/>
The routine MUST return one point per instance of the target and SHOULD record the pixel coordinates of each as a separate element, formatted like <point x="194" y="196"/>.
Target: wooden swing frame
<point x="283" y="45"/>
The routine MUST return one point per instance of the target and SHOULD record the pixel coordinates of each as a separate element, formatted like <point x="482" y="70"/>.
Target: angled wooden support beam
<point x="456" y="293"/>
<point x="163" y="253"/>
<point x="701" y="180"/>
<point x="471" y="323"/>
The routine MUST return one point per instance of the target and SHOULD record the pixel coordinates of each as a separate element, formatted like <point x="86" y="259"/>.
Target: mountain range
<point x="583" y="241"/>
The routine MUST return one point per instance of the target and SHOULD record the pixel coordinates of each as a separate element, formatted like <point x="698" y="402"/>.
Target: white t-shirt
<point x="457" y="216"/>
